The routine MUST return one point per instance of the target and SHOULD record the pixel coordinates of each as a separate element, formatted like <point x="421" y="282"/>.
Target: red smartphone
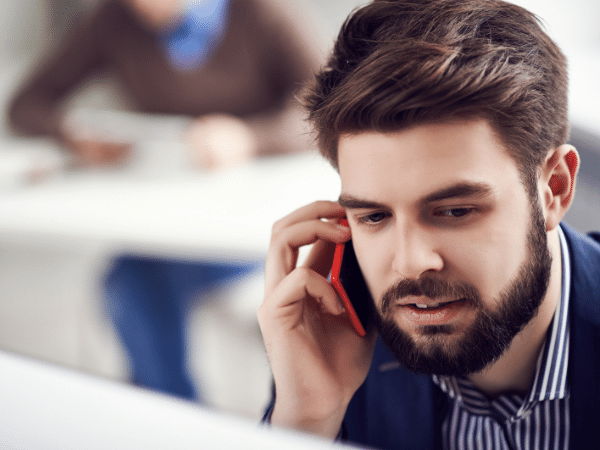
<point x="349" y="283"/>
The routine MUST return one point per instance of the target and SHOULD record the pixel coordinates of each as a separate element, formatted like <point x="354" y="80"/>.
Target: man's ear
<point x="557" y="183"/>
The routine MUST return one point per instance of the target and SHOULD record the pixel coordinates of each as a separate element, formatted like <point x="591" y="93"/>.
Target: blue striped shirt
<point x="539" y="420"/>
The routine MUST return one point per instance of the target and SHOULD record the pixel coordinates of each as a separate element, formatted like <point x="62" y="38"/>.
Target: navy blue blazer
<point x="395" y="409"/>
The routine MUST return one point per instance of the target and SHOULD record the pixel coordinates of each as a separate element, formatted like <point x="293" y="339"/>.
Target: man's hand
<point x="317" y="359"/>
<point x="220" y="140"/>
<point x="99" y="153"/>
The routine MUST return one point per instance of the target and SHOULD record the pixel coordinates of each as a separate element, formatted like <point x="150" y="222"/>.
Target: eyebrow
<point x="465" y="189"/>
<point x="347" y="201"/>
<point x="476" y="190"/>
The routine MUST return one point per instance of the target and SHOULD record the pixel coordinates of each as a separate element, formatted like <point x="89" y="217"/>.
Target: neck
<point x="514" y="371"/>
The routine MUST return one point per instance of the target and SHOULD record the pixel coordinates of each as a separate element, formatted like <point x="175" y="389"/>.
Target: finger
<point x="320" y="258"/>
<point x="303" y="284"/>
<point x="283" y="251"/>
<point x="317" y="210"/>
<point x="308" y="232"/>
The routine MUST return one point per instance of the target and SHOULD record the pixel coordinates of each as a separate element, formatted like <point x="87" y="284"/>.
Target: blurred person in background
<point x="234" y="66"/>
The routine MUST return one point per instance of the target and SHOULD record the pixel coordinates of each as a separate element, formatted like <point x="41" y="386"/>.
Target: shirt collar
<point x="191" y="42"/>
<point x="550" y="379"/>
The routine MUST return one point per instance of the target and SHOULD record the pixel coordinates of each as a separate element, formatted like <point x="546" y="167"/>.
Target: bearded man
<point x="447" y="122"/>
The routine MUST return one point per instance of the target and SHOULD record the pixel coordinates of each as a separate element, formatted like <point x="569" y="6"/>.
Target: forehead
<point x="423" y="159"/>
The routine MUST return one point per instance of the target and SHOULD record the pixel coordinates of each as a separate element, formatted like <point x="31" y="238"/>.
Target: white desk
<point x="224" y="214"/>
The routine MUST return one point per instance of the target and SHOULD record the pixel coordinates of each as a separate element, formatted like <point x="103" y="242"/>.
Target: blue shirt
<point x="191" y="42"/>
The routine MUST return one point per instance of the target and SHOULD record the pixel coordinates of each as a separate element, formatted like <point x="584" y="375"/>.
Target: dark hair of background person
<point x="400" y="63"/>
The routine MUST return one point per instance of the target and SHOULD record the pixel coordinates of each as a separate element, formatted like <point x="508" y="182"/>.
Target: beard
<point x="491" y="332"/>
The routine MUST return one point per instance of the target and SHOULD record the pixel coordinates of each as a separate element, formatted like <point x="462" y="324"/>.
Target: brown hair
<point x="398" y="63"/>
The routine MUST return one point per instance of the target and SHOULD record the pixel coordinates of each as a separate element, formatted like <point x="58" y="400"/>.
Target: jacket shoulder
<point x="584" y="253"/>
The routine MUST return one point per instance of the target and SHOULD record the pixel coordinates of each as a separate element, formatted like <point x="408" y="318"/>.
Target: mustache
<point x="429" y="287"/>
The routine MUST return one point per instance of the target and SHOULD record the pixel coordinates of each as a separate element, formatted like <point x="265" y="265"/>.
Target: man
<point x="447" y="122"/>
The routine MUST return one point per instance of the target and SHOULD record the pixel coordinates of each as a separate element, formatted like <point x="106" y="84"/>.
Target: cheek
<point x="488" y="261"/>
<point x="375" y="260"/>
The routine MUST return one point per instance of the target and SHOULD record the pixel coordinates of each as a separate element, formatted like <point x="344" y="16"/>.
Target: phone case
<point x="350" y="286"/>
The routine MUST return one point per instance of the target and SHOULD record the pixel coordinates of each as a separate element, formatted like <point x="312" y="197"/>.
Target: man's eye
<point x="373" y="218"/>
<point x="454" y="212"/>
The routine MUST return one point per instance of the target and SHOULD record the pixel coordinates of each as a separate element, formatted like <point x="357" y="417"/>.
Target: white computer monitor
<point x="43" y="406"/>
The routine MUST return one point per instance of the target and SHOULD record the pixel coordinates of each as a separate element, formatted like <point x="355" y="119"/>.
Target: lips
<point x="434" y="313"/>
<point x="431" y="305"/>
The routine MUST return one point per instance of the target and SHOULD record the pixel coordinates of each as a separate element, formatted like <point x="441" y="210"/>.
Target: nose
<point x="416" y="252"/>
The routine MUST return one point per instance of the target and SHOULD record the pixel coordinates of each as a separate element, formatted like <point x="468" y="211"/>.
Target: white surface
<point x="51" y="308"/>
<point x="46" y="407"/>
<point x="224" y="214"/>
